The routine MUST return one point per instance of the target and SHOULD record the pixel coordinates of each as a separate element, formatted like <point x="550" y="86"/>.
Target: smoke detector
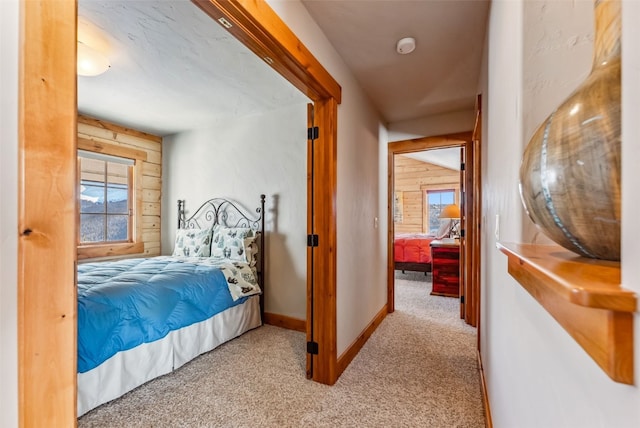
<point x="406" y="45"/>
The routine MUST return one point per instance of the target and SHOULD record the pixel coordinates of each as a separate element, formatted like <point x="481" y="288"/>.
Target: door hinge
<point x="313" y="133"/>
<point x="462" y="299"/>
<point x="312" y="348"/>
<point x="462" y="233"/>
<point x="312" y="240"/>
<point x="462" y="166"/>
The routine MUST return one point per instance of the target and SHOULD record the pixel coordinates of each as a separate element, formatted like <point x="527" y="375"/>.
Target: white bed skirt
<point x="129" y="369"/>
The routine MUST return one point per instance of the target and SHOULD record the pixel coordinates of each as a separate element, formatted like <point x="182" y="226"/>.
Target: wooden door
<point x="463" y="226"/>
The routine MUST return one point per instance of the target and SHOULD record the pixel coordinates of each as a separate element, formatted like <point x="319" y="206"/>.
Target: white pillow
<point x="192" y="243"/>
<point x="234" y="244"/>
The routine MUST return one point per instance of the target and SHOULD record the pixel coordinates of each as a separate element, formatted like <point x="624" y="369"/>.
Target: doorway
<point x="47" y="196"/>
<point x="426" y="212"/>
<point x="469" y="199"/>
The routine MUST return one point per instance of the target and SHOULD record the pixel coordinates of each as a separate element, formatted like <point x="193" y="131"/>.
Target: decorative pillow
<point x="233" y="243"/>
<point x="193" y="243"/>
<point x="251" y="249"/>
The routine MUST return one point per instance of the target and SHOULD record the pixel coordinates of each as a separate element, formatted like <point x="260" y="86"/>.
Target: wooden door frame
<point x="47" y="254"/>
<point x="470" y="274"/>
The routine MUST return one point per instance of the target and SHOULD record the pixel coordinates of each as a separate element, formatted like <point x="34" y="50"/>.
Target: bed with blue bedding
<point x="144" y="317"/>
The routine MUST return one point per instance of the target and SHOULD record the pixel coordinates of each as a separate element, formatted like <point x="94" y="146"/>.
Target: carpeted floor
<point x="417" y="370"/>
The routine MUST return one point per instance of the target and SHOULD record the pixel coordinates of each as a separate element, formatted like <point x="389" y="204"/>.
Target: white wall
<point x="439" y="124"/>
<point x="8" y="213"/>
<point x="361" y="284"/>
<point x="241" y="159"/>
<point x="537" y="375"/>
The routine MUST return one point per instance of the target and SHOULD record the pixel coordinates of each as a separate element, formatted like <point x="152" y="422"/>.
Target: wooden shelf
<point x="585" y="297"/>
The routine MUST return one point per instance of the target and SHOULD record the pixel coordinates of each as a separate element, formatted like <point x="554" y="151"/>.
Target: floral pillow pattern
<point x="192" y="243"/>
<point x="234" y="244"/>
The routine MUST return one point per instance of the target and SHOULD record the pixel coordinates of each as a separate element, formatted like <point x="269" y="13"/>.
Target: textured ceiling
<point x="173" y="68"/>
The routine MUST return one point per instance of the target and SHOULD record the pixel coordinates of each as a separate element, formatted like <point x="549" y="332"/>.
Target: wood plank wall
<point x="412" y="179"/>
<point x="102" y="131"/>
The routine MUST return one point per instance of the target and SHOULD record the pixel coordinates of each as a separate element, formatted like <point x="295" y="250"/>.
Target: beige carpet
<point x="417" y="370"/>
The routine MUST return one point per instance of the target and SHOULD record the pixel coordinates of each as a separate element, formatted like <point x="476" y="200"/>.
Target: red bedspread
<point x="412" y="248"/>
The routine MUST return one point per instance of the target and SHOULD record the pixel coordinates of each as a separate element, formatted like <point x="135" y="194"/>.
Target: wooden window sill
<point x="109" y="250"/>
<point x="585" y="297"/>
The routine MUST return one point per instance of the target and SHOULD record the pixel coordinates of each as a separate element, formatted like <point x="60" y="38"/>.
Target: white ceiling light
<point x="406" y="45"/>
<point x="93" y="49"/>
<point x="90" y="61"/>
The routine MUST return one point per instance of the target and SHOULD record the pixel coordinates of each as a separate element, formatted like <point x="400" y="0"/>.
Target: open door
<point x="312" y="239"/>
<point x="462" y="227"/>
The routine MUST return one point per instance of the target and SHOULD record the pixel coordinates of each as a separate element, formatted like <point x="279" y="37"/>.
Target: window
<point x="109" y="200"/>
<point x="436" y="200"/>
<point x="106" y="189"/>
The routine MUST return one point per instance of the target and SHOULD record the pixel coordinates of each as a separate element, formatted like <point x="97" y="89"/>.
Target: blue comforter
<point x="125" y="303"/>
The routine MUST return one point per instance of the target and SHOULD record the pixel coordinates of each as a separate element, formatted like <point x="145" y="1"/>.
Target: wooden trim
<point x="113" y="250"/>
<point x="426" y="143"/>
<point x="310" y="262"/>
<point x="256" y="25"/>
<point x="284" y="321"/>
<point x="111" y="149"/>
<point x="473" y="253"/>
<point x="464" y="267"/>
<point x="585" y="297"/>
<point x="488" y="421"/>
<point x="47" y="300"/>
<point x="109" y="250"/>
<point x="117" y="129"/>
<point x="350" y="353"/>
<point x="325" y="269"/>
<point x="390" y="231"/>
<point x="402" y="147"/>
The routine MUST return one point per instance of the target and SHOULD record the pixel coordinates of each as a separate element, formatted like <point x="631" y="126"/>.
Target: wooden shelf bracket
<point x="585" y="297"/>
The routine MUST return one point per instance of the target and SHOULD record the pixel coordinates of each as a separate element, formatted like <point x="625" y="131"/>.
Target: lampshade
<point x="90" y="61"/>
<point x="450" y="211"/>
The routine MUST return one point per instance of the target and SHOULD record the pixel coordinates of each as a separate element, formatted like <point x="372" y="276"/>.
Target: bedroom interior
<point x="426" y="212"/>
<point x="326" y="98"/>
<point x="196" y="143"/>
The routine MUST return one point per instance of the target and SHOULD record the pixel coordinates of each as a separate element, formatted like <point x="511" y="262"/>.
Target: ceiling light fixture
<point x="406" y="45"/>
<point x="90" y="61"/>
<point x="94" y="49"/>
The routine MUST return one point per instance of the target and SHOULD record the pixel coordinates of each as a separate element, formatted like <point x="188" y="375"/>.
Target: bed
<point x="142" y="318"/>
<point x="412" y="252"/>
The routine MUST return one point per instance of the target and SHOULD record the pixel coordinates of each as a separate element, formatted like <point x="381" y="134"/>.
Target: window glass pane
<point x="92" y="197"/>
<point x="437" y="200"/>
<point x="91" y="228"/>
<point x="117" y="227"/>
<point x="117" y="199"/>
<point x="92" y="169"/>
<point x="117" y="188"/>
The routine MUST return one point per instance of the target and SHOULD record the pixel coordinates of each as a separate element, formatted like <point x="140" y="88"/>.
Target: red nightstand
<point x="445" y="268"/>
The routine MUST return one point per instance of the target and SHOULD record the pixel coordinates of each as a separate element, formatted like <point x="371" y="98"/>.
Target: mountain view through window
<point x="104" y="201"/>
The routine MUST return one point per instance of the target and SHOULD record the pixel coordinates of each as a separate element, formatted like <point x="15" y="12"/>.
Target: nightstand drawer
<point x="445" y="254"/>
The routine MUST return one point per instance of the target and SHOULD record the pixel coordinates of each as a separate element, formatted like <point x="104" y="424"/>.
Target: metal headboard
<point x="224" y="212"/>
